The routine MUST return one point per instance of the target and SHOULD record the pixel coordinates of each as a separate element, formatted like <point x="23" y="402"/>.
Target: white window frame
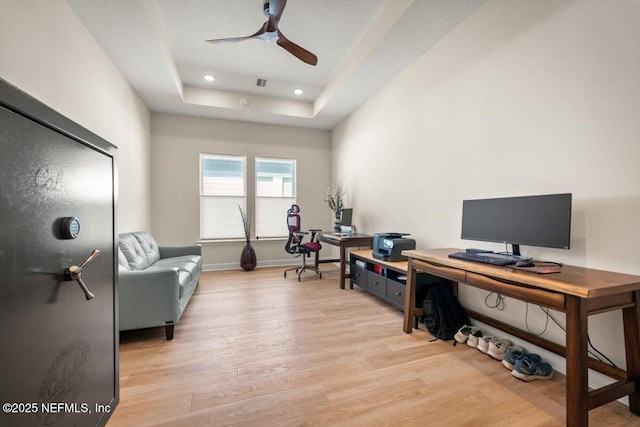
<point x="222" y="221"/>
<point x="275" y="205"/>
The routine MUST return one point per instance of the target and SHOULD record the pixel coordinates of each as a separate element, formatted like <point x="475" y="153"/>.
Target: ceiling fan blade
<point x="297" y="51"/>
<point x="239" y="39"/>
<point x="229" y="40"/>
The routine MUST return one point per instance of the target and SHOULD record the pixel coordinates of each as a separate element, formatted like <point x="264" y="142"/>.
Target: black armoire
<point x="58" y="313"/>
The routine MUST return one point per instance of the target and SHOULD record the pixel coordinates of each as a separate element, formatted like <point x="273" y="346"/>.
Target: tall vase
<point x="336" y="225"/>
<point x="248" y="259"/>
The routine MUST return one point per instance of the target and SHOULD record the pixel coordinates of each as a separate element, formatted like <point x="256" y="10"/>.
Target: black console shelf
<point x="385" y="280"/>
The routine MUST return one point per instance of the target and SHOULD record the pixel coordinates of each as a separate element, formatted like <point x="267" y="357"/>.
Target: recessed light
<point x="209" y="77"/>
<point x="298" y="91"/>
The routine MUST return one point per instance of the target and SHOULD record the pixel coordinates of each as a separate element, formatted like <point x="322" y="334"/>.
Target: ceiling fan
<point x="271" y="33"/>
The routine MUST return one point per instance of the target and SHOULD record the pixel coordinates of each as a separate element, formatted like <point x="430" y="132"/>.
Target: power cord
<point x="608" y="361"/>
<point x="499" y="302"/>
<point x="546" y="324"/>
<point x="549" y="316"/>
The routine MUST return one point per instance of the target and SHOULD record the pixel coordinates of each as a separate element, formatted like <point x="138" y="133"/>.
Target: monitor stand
<point x="515" y="249"/>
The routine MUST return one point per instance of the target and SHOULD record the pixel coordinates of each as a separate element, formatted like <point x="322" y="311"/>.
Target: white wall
<point x="47" y="52"/>
<point x="522" y="98"/>
<point x="176" y="143"/>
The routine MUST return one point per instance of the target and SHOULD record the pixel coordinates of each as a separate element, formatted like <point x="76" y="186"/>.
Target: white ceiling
<point x="159" y="45"/>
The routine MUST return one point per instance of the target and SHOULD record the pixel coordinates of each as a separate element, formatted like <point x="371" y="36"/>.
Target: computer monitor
<point x="529" y="220"/>
<point x="345" y="217"/>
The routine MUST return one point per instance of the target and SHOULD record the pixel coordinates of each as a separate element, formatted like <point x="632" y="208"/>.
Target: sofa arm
<point x="148" y="298"/>
<point x="174" y="251"/>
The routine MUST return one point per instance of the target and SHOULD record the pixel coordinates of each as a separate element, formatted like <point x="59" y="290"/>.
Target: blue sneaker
<point x="528" y="369"/>
<point x="514" y="353"/>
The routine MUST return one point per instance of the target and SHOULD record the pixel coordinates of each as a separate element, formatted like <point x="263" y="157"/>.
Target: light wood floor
<point x="255" y="349"/>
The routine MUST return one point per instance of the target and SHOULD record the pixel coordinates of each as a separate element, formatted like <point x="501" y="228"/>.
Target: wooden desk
<point x="578" y="292"/>
<point x="345" y="241"/>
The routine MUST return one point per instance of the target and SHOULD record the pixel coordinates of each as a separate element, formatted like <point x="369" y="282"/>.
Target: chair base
<point x="301" y="268"/>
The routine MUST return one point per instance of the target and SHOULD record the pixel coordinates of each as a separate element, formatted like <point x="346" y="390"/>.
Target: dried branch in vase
<point x="335" y="200"/>
<point x="246" y="222"/>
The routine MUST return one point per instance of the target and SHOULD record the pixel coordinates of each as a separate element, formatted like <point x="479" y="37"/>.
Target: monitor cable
<point x="499" y="301"/>
<point x="595" y="353"/>
<point x="499" y="304"/>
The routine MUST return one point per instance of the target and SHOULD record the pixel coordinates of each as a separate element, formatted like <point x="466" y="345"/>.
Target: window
<point x="275" y="192"/>
<point x="222" y="189"/>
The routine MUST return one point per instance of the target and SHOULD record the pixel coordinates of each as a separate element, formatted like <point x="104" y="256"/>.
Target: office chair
<point x="296" y="246"/>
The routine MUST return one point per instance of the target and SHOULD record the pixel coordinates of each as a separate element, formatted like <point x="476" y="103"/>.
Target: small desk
<point x="578" y="292"/>
<point x="344" y="241"/>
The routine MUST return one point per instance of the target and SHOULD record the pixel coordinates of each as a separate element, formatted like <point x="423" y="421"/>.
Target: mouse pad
<point x="541" y="269"/>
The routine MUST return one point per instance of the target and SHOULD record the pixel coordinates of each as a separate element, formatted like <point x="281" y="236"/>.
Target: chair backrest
<point x="293" y="223"/>
<point x="293" y="219"/>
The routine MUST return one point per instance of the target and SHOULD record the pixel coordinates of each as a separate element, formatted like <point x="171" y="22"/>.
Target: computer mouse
<point x="525" y="263"/>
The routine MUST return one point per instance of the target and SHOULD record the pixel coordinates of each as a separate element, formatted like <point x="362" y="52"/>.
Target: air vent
<point x="261" y="82"/>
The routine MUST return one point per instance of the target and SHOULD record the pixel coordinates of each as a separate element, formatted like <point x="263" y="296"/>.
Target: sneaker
<point x="483" y="343"/>
<point x="514" y="353"/>
<point x="498" y="348"/>
<point x="474" y="336"/>
<point x="463" y="334"/>
<point x="529" y="368"/>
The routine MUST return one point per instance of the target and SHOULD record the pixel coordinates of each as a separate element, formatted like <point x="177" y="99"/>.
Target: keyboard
<point x="485" y="258"/>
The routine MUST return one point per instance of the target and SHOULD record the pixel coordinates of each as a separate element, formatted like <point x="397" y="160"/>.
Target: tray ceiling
<point x="361" y="45"/>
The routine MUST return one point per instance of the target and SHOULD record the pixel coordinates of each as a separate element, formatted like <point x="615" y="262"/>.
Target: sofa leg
<point x="169" y="330"/>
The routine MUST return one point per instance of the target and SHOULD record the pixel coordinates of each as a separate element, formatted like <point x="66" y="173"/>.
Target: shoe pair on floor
<point x="487" y="344"/>
<point x="524" y="366"/>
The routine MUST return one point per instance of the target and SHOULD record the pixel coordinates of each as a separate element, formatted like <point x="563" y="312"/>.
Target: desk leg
<point x="631" y="319"/>
<point x="343" y="255"/>
<point x="409" y="297"/>
<point x="577" y="363"/>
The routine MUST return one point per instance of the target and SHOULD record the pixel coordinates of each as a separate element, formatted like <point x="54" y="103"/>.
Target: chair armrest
<point x="148" y="298"/>
<point x="314" y="231"/>
<point x="174" y="251"/>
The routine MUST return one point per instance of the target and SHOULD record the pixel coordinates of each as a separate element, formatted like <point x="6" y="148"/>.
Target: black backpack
<point x="443" y="313"/>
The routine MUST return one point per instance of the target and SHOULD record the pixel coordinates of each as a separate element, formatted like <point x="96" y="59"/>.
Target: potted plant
<point x="248" y="259"/>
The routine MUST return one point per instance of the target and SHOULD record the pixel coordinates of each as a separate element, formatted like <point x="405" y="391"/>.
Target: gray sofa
<point x="155" y="282"/>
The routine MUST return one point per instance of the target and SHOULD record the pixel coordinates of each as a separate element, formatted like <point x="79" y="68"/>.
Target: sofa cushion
<point x="122" y="261"/>
<point x="186" y="262"/>
<point x="187" y="270"/>
<point x="133" y="252"/>
<point x="148" y="245"/>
